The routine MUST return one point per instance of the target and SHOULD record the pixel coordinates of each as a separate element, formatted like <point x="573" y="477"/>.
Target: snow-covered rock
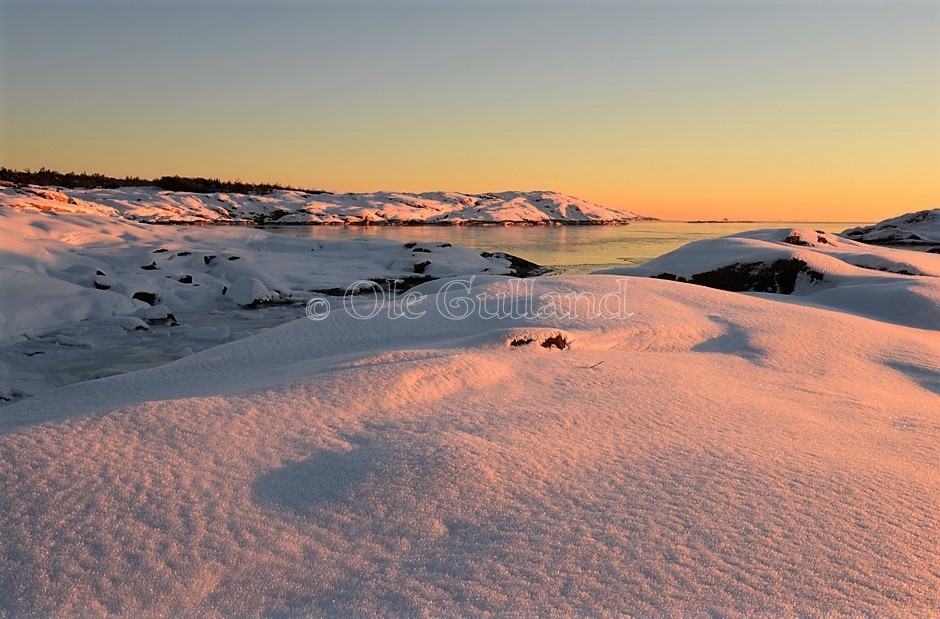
<point x="248" y="291"/>
<point x="153" y="205"/>
<point x="58" y="267"/>
<point x="815" y="267"/>
<point x="920" y="228"/>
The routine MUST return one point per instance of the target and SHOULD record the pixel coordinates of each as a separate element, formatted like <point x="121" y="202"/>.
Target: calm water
<point x="567" y="249"/>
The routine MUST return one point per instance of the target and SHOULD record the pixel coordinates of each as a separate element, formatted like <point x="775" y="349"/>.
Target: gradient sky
<point x="823" y="110"/>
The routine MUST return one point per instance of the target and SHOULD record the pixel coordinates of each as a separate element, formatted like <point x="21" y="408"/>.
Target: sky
<point x="826" y="110"/>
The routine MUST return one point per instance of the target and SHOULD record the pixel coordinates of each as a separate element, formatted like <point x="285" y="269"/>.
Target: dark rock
<point x="147" y="297"/>
<point x="520" y="267"/>
<point x="421" y="266"/>
<point x="102" y="286"/>
<point x="185" y="279"/>
<point x="796" y="239"/>
<point x="778" y="276"/>
<point x="422" y="250"/>
<point x="161" y="250"/>
<point x="150" y="267"/>
<point x="184" y="253"/>
<point x="233" y="258"/>
<point x="521" y="341"/>
<point x="208" y="259"/>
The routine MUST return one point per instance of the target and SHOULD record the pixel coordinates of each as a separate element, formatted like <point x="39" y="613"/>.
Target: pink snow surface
<point x="732" y="454"/>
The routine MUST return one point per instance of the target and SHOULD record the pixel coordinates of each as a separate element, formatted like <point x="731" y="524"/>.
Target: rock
<point x="248" y="292"/>
<point x="147" y="297"/>
<point x="779" y="276"/>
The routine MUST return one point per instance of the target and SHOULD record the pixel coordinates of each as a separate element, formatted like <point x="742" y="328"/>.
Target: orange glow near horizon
<point x="815" y="113"/>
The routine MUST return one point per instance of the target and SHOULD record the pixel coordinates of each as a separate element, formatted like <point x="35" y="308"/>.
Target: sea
<point x="564" y="249"/>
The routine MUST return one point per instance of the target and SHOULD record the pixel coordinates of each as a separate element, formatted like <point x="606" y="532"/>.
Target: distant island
<point x="184" y="200"/>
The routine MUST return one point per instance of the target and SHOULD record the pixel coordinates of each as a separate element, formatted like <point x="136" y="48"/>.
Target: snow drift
<point x="731" y="455"/>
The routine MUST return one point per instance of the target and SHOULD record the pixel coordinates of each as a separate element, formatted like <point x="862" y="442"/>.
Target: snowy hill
<point x="920" y="228"/>
<point x="813" y="266"/>
<point x="157" y="206"/>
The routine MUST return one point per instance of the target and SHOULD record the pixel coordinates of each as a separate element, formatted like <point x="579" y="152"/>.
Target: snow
<point x="57" y="268"/>
<point x="248" y="291"/>
<point x="837" y="273"/>
<point x="920" y="228"/>
<point x="732" y="454"/>
<point x="690" y="451"/>
<point x="95" y="278"/>
<point x="153" y="205"/>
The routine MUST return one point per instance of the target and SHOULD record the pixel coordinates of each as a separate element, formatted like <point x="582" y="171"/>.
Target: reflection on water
<point x="567" y="249"/>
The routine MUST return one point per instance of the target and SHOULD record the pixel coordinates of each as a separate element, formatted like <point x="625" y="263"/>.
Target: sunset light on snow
<point x="469" y="308"/>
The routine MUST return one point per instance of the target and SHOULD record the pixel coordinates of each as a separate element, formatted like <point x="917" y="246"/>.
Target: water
<point x="566" y="249"/>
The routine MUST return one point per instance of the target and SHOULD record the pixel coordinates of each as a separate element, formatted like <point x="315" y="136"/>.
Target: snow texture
<point x="729" y="455"/>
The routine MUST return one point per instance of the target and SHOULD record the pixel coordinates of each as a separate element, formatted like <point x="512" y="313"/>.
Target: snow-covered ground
<point x="920" y="228"/>
<point x="584" y="445"/>
<point x="712" y="453"/>
<point x="153" y="205"/>
<point x="79" y="290"/>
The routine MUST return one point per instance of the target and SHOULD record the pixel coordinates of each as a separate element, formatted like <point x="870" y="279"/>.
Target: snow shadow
<point x="927" y="378"/>
<point x="734" y="341"/>
<point x="326" y="477"/>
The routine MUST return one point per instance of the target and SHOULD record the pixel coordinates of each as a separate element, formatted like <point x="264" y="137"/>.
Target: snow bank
<point x="815" y="267"/>
<point x="712" y="453"/>
<point x="920" y="228"/>
<point x="152" y="205"/>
